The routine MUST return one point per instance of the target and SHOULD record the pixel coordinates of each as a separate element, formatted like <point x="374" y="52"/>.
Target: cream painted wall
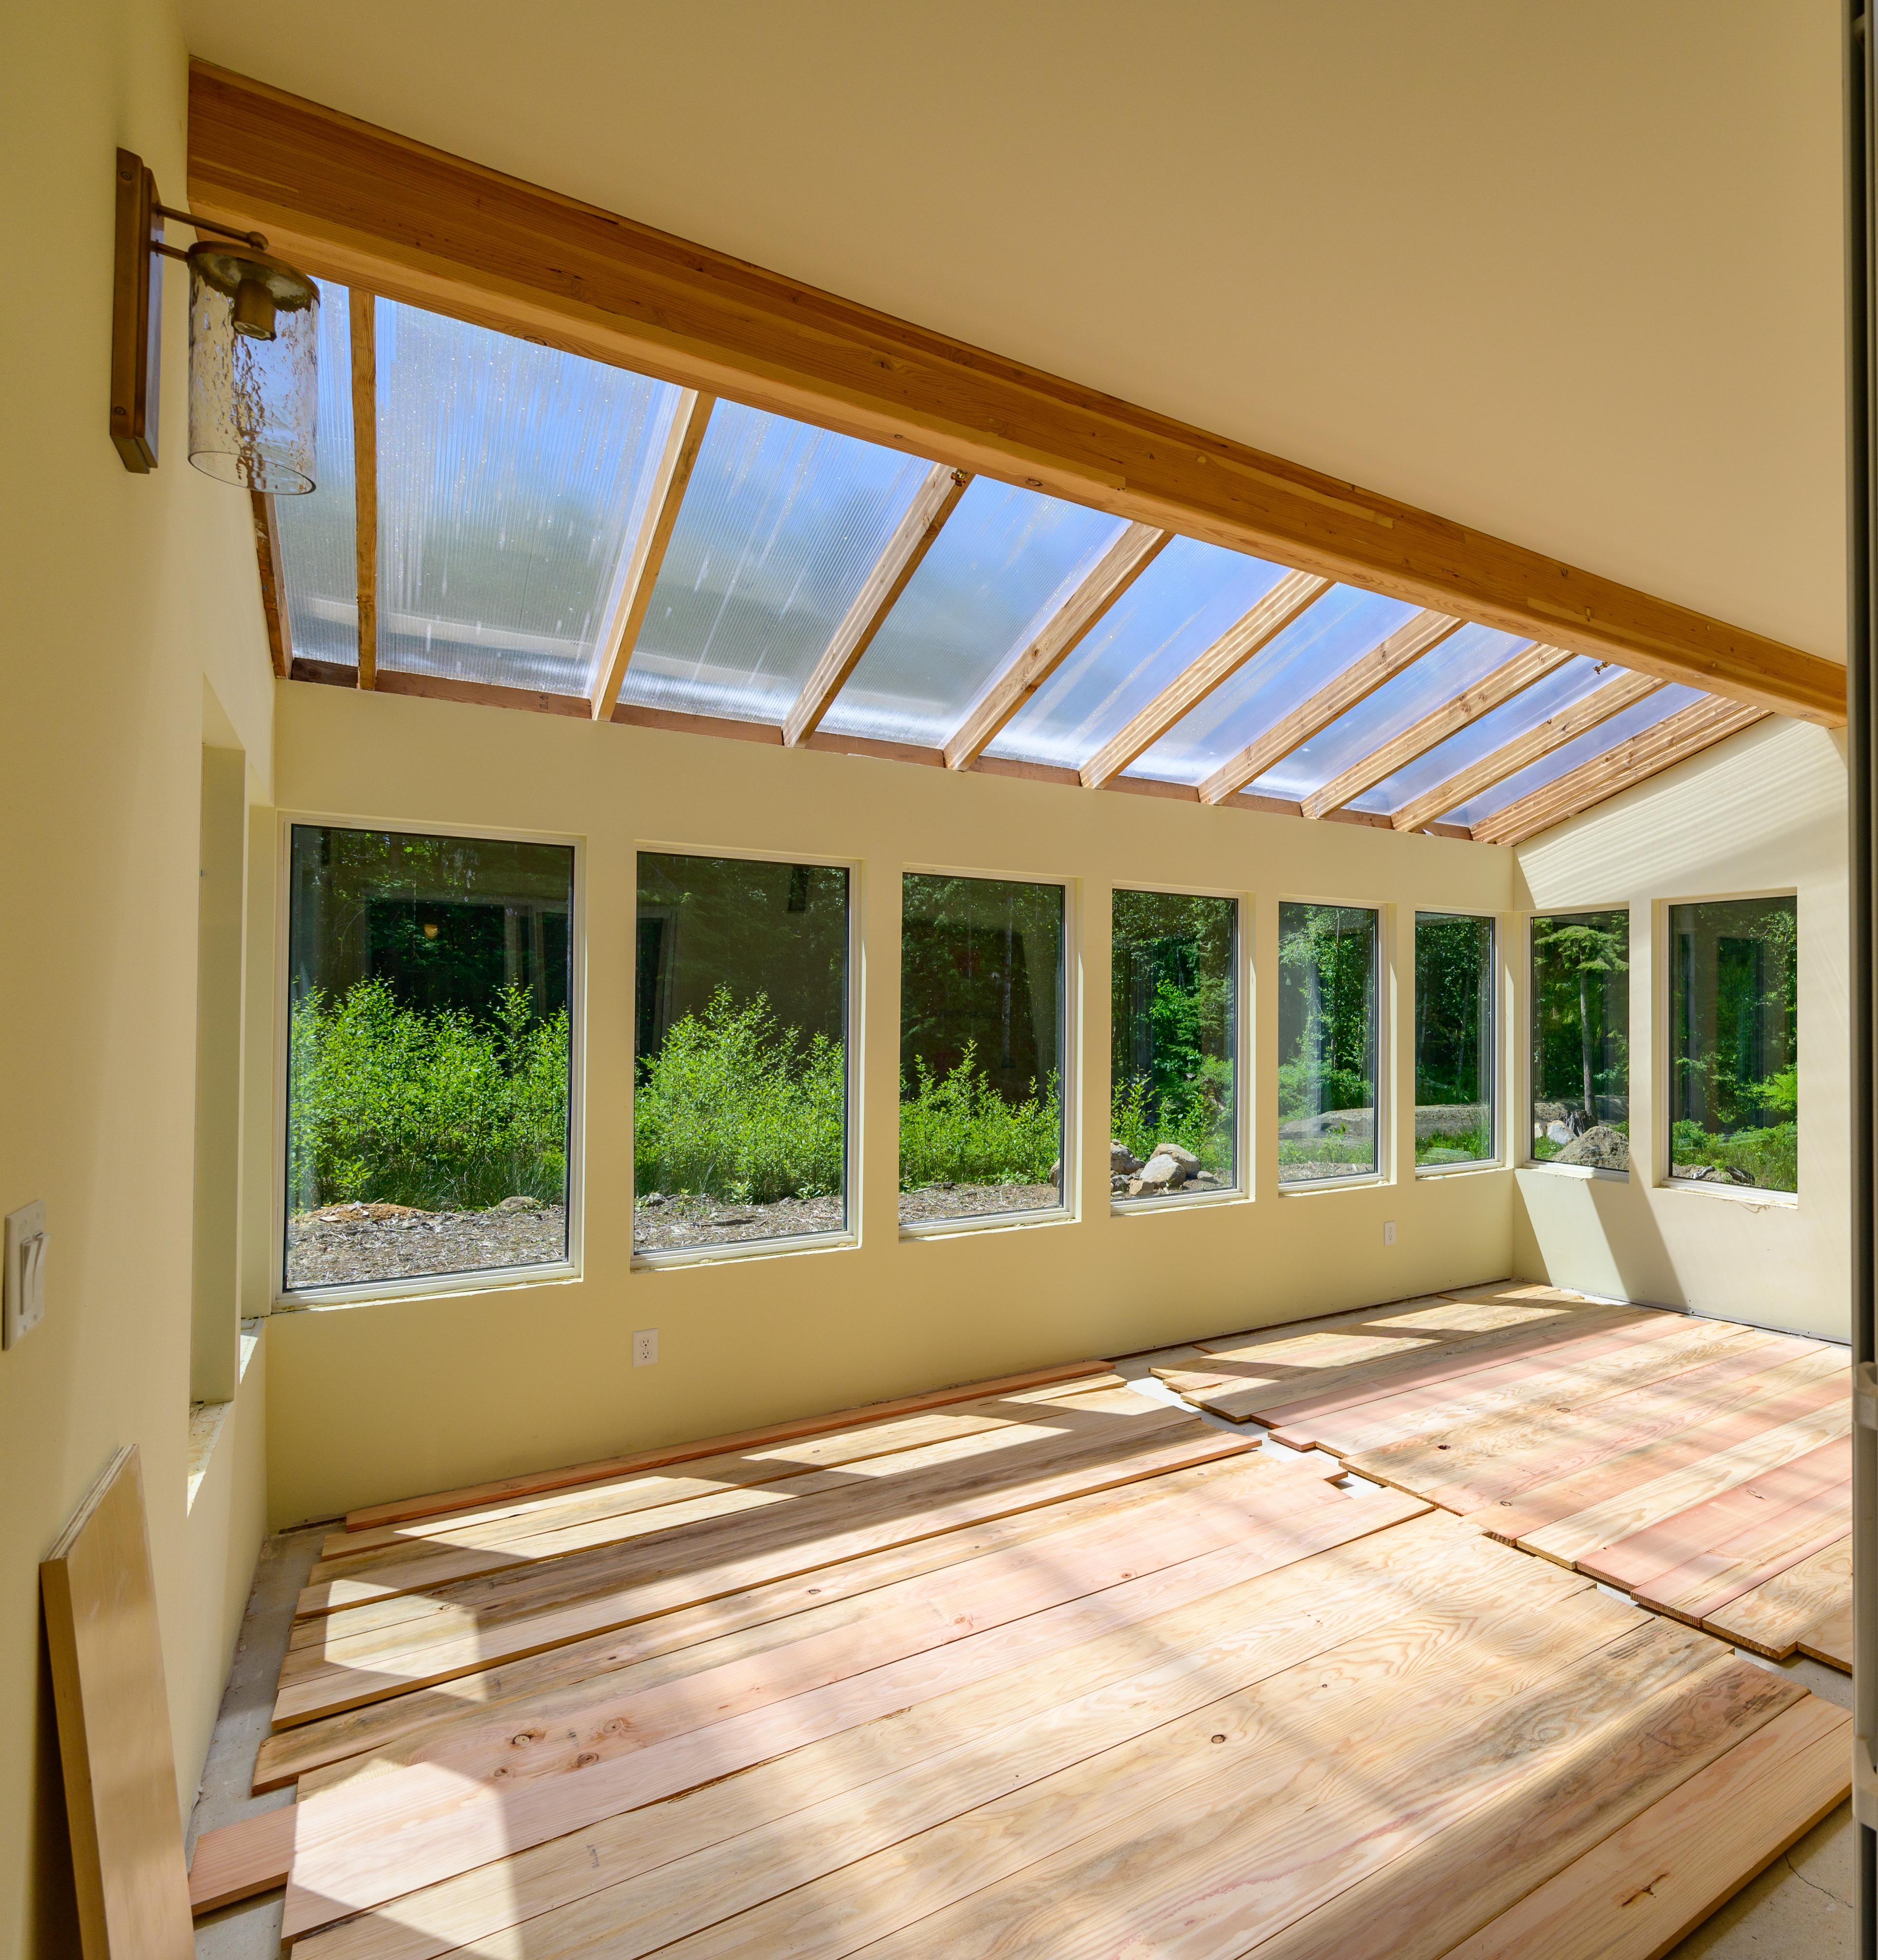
<point x="1765" y="812"/>
<point x="120" y="596"/>
<point x="368" y="1402"/>
<point x="1502" y="260"/>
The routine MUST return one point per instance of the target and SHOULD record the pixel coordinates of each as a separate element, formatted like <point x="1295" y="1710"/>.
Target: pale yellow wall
<point x="120" y="596"/>
<point x="379" y="1401"/>
<point x="1765" y="812"/>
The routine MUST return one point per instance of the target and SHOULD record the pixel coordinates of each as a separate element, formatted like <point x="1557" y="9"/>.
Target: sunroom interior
<point x="840" y="1149"/>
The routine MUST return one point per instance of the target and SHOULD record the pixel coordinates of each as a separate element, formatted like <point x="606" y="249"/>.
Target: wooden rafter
<point x="1510" y="677"/>
<point x="683" y="439"/>
<point x="1112" y="574"/>
<point x="373" y="209"/>
<point x="1357" y="681"/>
<point x="1251" y="633"/>
<point x="1686" y="733"/>
<point x="915" y="534"/>
<point x="273" y="586"/>
<point x="1553" y="733"/>
<point x="365" y="478"/>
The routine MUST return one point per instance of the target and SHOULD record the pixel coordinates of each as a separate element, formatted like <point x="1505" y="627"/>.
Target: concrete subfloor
<point x="1800" y="1908"/>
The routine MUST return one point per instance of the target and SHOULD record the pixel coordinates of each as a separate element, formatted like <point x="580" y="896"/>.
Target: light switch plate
<point x="23" y="1286"/>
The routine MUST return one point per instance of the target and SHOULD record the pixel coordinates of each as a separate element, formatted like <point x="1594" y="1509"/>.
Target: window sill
<point x="1583" y="1172"/>
<point x="1361" y="1180"/>
<point x="207" y="1419"/>
<point x="424" y="1286"/>
<point x="992" y="1221"/>
<point x="1472" y="1169"/>
<point x="743" y="1248"/>
<point x="1178" y="1201"/>
<point x="1754" y="1196"/>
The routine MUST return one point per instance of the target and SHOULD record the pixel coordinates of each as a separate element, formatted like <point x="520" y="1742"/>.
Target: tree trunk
<point x="1584" y="1041"/>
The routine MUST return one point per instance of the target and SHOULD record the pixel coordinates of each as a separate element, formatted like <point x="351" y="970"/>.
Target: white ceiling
<point x="1568" y="270"/>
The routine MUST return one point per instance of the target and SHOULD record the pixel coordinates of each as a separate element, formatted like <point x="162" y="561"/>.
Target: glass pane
<point x="1342" y="626"/>
<point x="1007" y="558"/>
<point x="1327" y="981"/>
<point x="1593" y="742"/>
<point x="981" y="1047"/>
<point x="1559" y="689"/>
<point x="1178" y="607"/>
<point x="1453" y="1038"/>
<point x="1734" y="1092"/>
<point x="739" y="1109"/>
<point x="511" y="481"/>
<point x="319" y="554"/>
<point x="427" y="1056"/>
<point x="1172" y="1089"/>
<point x="1581" y="1039"/>
<point x="1462" y="659"/>
<point x="780" y="525"/>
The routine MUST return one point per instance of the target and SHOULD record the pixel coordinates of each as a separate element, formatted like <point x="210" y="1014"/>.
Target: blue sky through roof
<point x="1006" y="558"/>
<point x="1343" y="625"/>
<point x="1184" y="601"/>
<point x="318" y="557"/>
<point x="779" y="528"/>
<point x="511" y="479"/>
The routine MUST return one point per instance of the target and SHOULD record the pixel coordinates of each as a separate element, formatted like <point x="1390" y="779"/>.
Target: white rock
<point x="1161" y="1172"/>
<point x="1185" y="1158"/>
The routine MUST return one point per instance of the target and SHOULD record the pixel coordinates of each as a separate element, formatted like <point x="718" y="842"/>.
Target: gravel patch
<point x="935" y="1202"/>
<point x="1309" y="1173"/>
<point x="350" y="1245"/>
<point x="663" y="1224"/>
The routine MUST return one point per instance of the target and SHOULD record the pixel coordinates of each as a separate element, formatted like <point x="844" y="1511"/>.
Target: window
<point x="739" y="1113"/>
<point x="1581" y="1039"/>
<point x="1453" y="1038"/>
<point x="428" y="1055"/>
<point x="1734" y="1098"/>
<point x="1173" y="1090"/>
<point x="1327" y="1105"/>
<point x="981" y="1047"/>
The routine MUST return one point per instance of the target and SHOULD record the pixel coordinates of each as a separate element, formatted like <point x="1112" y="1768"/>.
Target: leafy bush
<point x="734" y="1107"/>
<point x="1196" y="1114"/>
<point x="1459" y="1146"/>
<point x="1769" y="1157"/>
<point x="1307" y="1087"/>
<point x="440" y="1111"/>
<point x="956" y="1128"/>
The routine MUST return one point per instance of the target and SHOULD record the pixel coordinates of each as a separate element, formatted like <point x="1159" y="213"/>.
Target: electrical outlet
<point x="645" y="1347"/>
<point x="23" y="1286"/>
<point x="1388" y="1232"/>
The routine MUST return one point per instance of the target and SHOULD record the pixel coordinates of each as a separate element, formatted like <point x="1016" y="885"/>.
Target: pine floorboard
<point x="1059" y="1670"/>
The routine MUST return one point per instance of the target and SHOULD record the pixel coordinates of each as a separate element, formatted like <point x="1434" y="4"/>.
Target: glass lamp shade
<point x="254" y="393"/>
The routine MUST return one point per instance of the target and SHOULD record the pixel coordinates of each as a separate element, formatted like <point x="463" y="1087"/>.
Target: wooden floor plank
<point x="364" y="1844"/>
<point x="1774" y="1617"/>
<point x="1124" y="1685"/>
<point x="292" y="1752"/>
<point x="1487" y="1461"/>
<point x="498" y="1489"/>
<point x="1647" y="1886"/>
<point x="1830" y="1638"/>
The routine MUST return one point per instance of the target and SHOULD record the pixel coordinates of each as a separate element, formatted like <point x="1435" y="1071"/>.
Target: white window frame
<point x="1388" y="933"/>
<point x="1496" y="1158"/>
<point x="1524" y="1159"/>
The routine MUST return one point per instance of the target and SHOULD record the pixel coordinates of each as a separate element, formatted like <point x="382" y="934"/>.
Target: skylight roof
<point x="534" y="510"/>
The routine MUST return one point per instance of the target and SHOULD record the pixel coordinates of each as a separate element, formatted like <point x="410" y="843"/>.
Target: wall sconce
<point x="253" y="335"/>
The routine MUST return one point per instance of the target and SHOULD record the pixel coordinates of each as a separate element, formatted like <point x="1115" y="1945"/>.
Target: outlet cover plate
<point x="645" y="1347"/>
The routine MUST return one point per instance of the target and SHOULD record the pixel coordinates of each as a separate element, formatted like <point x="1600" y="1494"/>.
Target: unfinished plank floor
<point x="1702" y="1466"/>
<point x="1052" y="1669"/>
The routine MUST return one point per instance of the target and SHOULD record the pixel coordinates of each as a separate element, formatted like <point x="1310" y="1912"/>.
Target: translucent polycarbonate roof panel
<point x="1184" y="601"/>
<point x="1006" y="560"/>
<point x="512" y="479"/>
<point x="1582" y="748"/>
<point x="1464" y="657"/>
<point x="1559" y="689"/>
<point x="319" y="555"/>
<point x="1341" y="627"/>
<point x="780" y="527"/>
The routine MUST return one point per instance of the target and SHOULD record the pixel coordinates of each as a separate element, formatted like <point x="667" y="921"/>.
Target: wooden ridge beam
<point x="353" y="202"/>
<point x="1251" y="633"/>
<point x="1061" y="634"/>
<point x="365" y="339"/>
<point x="1510" y="757"/>
<point x="1699" y="725"/>
<point x="1510" y="677"/>
<point x="1357" y="681"/>
<point x="690" y="419"/>
<point x="914" y="535"/>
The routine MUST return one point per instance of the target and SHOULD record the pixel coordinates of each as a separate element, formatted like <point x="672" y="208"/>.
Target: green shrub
<point x="1768" y="1157"/>
<point x="1195" y="1114"/>
<point x="1307" y="1088"/>
<point x="440" y="1111"/>
<point x="956" y="1128"/>
<point x="734" y="1107"/>
<point x="1459" y="1146"/>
